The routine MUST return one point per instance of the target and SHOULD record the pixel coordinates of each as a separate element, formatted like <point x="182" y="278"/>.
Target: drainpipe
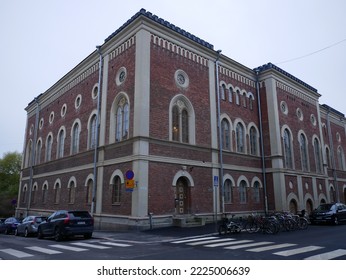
<point x="262" y="145"/>
<point x="332" y="155"/>
<point x="32" y="159"/>
<point x="98" y="48"/>
<point x="220" y="132"/>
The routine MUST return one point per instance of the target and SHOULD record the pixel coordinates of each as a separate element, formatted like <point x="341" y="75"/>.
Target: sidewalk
<point x="156" y="234"/>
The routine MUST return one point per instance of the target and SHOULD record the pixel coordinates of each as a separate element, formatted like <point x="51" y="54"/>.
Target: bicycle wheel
<point x="251" y="227"/>
<point x="223" y="229"/>
<point x="270" y="228"/>
<point x="303" y="223"/>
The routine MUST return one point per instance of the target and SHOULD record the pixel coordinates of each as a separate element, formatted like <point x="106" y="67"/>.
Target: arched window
<point x="28" y="154"/>
<point x="61" y="143"/>
<point x="33" y="193"/>
<point x="57" y="189"/>
<point x="122" y="120"/>
<point x="182" y="121"/>
<point x="240" y="138"/>
<point x="223" y="92"/>
<point x="75" y="138"/>
<point x="341" y="158"/>
<point x="38" y="152"/>
<point x="317" y="156"/>
<point x="228" y="191"/>
<point x="92" y="132"/>
<point x="304" y="152"/>
<point x="251" y="101"/>
<point x="253" y="141"/>
<point x="116" y="190"/>
<point x="256" y="192"/>
<point x="237" y="96"/>
<point x="49" y="144"/>
<point x="24" y="193"/>
<point x="71" y="192"/>
<point x="287" y="149"/>
<point x="230" y="94"/>
<point x="89" y="190"/>
<point x="225" y="132"/>
<point x="242" y="192"/>
<point x="44" y="193"/>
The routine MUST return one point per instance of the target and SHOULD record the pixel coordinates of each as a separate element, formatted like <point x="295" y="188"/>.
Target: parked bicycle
<point x="230" y="225"/>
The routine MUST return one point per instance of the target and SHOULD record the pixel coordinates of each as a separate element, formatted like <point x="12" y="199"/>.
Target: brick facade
<point x="158" y="116"/>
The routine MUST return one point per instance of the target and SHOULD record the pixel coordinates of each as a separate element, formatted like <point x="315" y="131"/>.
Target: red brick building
<point x="134" y="129"/>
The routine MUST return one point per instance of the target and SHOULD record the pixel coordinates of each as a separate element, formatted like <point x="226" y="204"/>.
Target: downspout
<point x="32" y="160"/>
<point x="262" y="145"/>
<point x="98" y="48"/>
<point x="221" y="184"/>
<point x="332" y="155"/>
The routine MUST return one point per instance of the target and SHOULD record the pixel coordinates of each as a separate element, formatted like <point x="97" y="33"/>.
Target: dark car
<point x="29" y="225"/>
<point x="63" y="223"/>
<point x="2" y="225"/>
<point x="332" y="213"/>
<point x="9" y="225"/>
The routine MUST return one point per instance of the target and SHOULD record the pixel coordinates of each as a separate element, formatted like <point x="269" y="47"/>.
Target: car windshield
<point x="324" y="207"/>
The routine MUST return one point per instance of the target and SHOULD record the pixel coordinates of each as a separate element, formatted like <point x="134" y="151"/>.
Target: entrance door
<point x="182" y="196"/>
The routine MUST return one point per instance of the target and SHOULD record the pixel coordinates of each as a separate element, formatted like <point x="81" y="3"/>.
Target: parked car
<point x="63" y="223"/>
<point x="29" y="225"/>
<point x="332" y="213"/>
<point x="2" y="225"/>
<point x="9" y="225"/>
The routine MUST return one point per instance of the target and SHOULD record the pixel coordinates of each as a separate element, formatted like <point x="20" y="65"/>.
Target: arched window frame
<point x="341" y="158"/>
<point x="61" y="143"/>
<point x="44" y="192"/>
<point x="75" y="137"/>
<point x="304" y="155"/>
<point x="38" y="151"/>
<point x="57" y="191"/>
<point x="240" y="136"/>
<point x="226" y="133"/>
<point x="317" y="153"/>
<point x="49" y="147"/>
<point x="253" y="139"/>
<point x="288" y="147"/>
<point x="71" y="187"/>
<point x="120" y="118"/>
<point x="182" y="120"/>
<point x="92" y="129"/>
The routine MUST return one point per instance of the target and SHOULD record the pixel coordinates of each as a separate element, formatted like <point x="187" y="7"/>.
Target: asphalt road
<point x="200" y="243"/>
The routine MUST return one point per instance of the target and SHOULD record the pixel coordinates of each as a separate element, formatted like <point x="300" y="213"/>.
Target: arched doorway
<point x="293" y="206"/>
<point x="183" y="196"/>
<point x="308" y="206"/>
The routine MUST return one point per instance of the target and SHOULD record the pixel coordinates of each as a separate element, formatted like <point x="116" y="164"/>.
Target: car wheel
<point x="336" y="220"/>
<point x="7" y="231"/>
<point x="39" y="233"/>
<point x="26" y="233"/>
<point x="87" y="235"/>
<point x="57" y="234"/>
<point x="16" y="232"/>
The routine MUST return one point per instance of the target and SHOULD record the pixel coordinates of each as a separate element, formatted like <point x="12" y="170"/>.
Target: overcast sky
<point x="42" y="40"/>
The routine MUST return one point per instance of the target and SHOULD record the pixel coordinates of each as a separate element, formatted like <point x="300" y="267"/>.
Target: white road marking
<point x="116" y="244"/>
<point x="43" y="250"/>
<point x="16" y="253"/>
<point x="249" y="245"/>
<point x="328" y="256"/>
<point x="297" y="251"/>
<point x="70" y="248"/>
<point x="194" y="239"/>
<point x="89" y="245"/>
<point x="210" y="241"/>
<point x="272" y="247"/>
<point x="228" y="243"/>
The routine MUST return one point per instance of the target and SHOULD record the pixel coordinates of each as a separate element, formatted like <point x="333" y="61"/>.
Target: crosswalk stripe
<point x="228" y="243"/>
<point x="297" y="251"/>
<point x="16" y="253"/>
<point x="89" y="245"/>
<point x="249" y="245"/>
<point x="209" y="241"/>
<point x="328" y="255"/>
<point x="70" y="248"/>
<point x="271" y="247"/>
<point x="116" y="244"/>
<point x="43" y="250"/>
<point x="194" y="239"/>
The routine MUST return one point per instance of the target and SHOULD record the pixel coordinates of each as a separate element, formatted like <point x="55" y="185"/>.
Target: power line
<point x="309" y="54"/>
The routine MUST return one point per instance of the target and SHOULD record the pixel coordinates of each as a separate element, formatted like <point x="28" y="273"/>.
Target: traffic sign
<point x="129" y="174"/>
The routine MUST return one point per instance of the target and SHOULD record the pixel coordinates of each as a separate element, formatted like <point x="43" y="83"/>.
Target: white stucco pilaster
<point x="141" y="124"/>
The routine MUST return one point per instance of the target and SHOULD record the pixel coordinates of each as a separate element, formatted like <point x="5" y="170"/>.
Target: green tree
<point x="9" y="182"/>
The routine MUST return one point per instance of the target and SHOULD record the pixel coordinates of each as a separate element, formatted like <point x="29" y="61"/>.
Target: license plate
<point x="81" y="223"/>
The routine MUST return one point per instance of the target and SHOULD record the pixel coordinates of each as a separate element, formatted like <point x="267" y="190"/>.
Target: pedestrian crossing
<point x="278" y="249"/>
<point x="55" y="249"/>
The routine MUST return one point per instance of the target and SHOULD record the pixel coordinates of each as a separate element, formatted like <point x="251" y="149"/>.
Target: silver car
<point x="29" y="225"/>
